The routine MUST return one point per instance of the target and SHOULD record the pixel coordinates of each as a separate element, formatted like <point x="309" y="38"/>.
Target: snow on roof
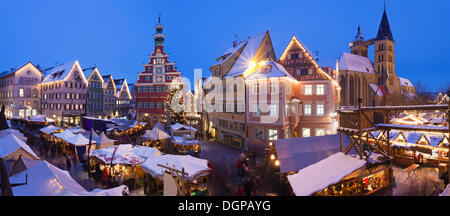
<point x="415" y="127"/>
<point x="356" y="63"/>
<point x="123" y="155"/>
<point x="434" y="139"/>
<point x="146" y="152"/>
<point x="40" y="118"/>
<point x="181" y="141"/>
<point x="320" y="175"/>
<point x="269" y="69"/>
<point x="405" y="82"/>
<point x="17" y="133"/>
<point x="63" y="135"/>
<point x="44" y="179"/>
<point x="178" y="126"/>
<point x="78" y="140"/>
<point x="194" y="167"/>
<point x="11" y="143"/>
<point x="411" y="137"/>
<point x="58" y="72"/>
<point x="297" y="153"/>
<point x="116" y="191"/>
<point x="88" y="71"/>
<point x="156" y="134"/>
<point x="248" y="53"/>
<point x="49" y="129"/>
<point x="102" y="138"/>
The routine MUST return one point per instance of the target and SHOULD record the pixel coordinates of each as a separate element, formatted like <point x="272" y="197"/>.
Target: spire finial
<point x="385" y="5"/>
<point x="159" y="18"/>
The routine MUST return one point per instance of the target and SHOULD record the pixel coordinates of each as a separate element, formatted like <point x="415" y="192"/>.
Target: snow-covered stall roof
<point x="410" y="120"/>
<point x="78" y="140"/>
<point x="11" y="143"/>
<point x="58" y="73"/>
<point x="263" y="72"/>
<point x="44" y="179"/>
<point x="320" y="175"/>
<point x="182" y="141"/>
<point x="41" y="118"/>
<point x="251" y="47"/>
<point x="23" y="164"/>
<point x="146" y="152"/>
<point x="178" y="126"/>
<point x="156" y="134"/>
<point x="194" y="167"/>
<point x="17" y="133"/>
<point x="123" y="155"/>
<point x="49" y="129"/>
<point x="117" y="191"/>
<point x="297" y="153"/>
<point x="356" y="63"/>
<point x="77" y="130"/>
<point x="102" y="138"/>
<point x="434" y="139"/>
<point x="64" y="135"/>
<point x="446" y="191"/>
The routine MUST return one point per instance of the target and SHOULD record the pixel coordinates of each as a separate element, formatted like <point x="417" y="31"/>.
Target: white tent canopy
<point x="156" y="134"/>
<point x="297" y="153"/>
<point x="178" y="126"/>
<point x="49" y="129"/>
<point x="446" y="191"/>
<point x="102" y="139"/>
<point x="40" y="118"/>
<point x="78" y="140"/>
<point x="146" y="152"/>
<point x="181" y="141"/>
<point x="123" y="154"/>
<point x="194" y="167"/>
<point x="45" y="179"/>
<point x="11" y="143"/>
<point x="64" y="135"/>
<point x="77" y="130"/>
<point x="326" y="172"/>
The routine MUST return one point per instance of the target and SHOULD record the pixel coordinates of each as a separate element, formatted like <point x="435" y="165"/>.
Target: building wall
<point x="20" y="93"/>
<point x="94" y="102"/>
<point x="65" y="100"/>
<point x="109" y="98"/>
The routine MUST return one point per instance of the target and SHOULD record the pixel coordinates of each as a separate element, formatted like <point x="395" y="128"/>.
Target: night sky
<point x="117" y="36"/>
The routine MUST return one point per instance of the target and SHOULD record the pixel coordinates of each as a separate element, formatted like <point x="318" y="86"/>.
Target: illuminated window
<point x="307" y="109"/>
<point x="273" y="134"/>
<point x="306" y="132"/>
<point x="320" y="131"/>
<point x="21" y="93"/>
<point x="320" y="89"/>
<point x="308" y="89"/>
<point x="320" y="109"/>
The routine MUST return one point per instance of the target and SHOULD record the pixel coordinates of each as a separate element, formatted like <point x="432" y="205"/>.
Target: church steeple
<point x="159" y="36"/>
<point x="384" y="31"/>
<point x="358" y="36"/>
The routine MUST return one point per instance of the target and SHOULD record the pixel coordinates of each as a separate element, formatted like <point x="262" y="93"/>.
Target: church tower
<point x="358" y="46"/>
<point x="159" y="37"/>
<point x="385" y="56"/>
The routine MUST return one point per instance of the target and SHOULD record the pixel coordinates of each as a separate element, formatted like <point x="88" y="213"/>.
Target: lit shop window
<point x="306" y="132"/>
<point x="21" y="92"/>
<point x="273" y="110"/>
<point x="320" y="131"/>
<point x="273" y="134"/>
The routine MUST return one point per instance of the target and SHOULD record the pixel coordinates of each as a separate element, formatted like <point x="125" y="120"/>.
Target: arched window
<point x="21" y="93"/>
<point x="352" y="91"/>
<point x="343" y="84"/>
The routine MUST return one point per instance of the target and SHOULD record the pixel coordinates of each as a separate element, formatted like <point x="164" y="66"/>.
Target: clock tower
<point x="153" y="82"/>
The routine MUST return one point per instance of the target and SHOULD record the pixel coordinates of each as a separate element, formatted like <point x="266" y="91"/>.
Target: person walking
<point x="239" y="166"/>
<point x="68" y="163"/>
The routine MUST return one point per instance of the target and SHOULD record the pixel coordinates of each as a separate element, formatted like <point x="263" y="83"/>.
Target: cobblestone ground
<point x="422" y="183"/>
<point x="224" y="179"/>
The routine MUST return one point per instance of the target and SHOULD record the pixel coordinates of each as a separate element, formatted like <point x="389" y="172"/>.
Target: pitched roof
<point x="268" y="70"/>
<point x="252" y="45"/>
<point x="405" y="82"/>
<point x="356" y="63"/>
<point x="384" y="31"/>
<point x="58" y="72"/>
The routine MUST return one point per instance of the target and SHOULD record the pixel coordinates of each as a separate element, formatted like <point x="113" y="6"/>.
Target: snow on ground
<point x="421" y="184"/>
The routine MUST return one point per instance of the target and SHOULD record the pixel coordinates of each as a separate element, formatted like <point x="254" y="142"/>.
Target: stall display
<point x="186" y="145"/>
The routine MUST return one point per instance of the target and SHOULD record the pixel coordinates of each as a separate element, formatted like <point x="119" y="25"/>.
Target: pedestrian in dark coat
<point x="68" y="163"/>
<point x="248" y="187"/>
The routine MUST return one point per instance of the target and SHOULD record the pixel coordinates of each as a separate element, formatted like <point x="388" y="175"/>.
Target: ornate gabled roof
<point x="384" y="31"/>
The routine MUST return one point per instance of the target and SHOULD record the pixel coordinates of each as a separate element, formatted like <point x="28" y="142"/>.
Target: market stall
<point x="11" y="147"/>
<point x="155" y="137"/>
<point x="102" y="140"/>
<point x="120" y="164"/>
<point x="195" y="171"/>
<point x="180" y="129"/>
<point x="17" y="133"/>
<point x="342" y="175"/>
<point x="186" y="145"/>
<point x="49" y="130"/>
<point x="45" y="179"/>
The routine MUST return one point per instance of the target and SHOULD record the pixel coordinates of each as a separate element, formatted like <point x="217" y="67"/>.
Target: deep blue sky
<point x="117" y="35"/>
